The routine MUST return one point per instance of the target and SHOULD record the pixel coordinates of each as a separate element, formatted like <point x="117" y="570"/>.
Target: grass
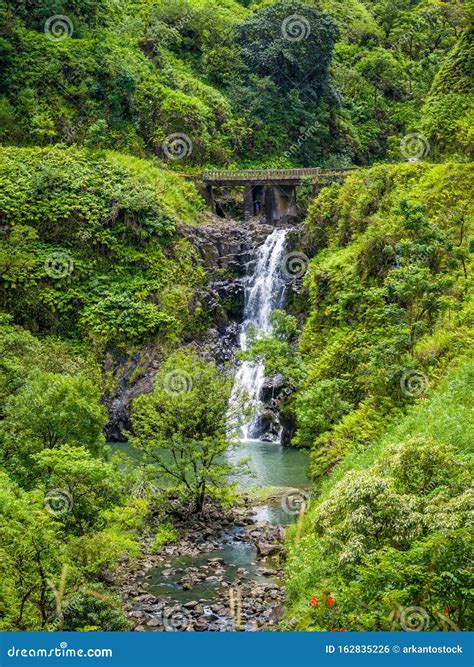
<point x="446" y="415"/>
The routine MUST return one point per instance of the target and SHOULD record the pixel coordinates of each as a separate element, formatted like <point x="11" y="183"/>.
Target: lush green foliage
<point x="393" y="529"/>
<point x="93" y="609"/>
<point x="87" y="247"/>
<point x="165" y="534"/>
<point x="64" y="514"/>
<point x="40" y="570"/>
<point x="277" y="349"/>
<point x="388" y="299"/>
<point x="49" y="411"/>
<point x="128" y="76"/>
<point x="448" y="111"/>
<point x="95" y="276"/>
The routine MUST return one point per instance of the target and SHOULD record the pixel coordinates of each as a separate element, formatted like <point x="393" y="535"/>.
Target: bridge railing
<point x="259" y="174"/>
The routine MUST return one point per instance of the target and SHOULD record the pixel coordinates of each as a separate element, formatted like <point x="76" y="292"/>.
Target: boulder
<point x="267" y="548"/>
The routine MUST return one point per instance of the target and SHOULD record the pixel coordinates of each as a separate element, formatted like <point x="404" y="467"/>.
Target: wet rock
<point x="257" y="601"/>
<point x="191" y="604"/>
<point x="200" y="626"/>
<point x="266" y="548"/>
<point x="277" y="613"/>
<point x="146" y="597"/>
<point x="267" y="572"/>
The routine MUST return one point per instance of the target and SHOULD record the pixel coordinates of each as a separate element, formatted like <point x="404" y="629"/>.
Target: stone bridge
<point x="271" y="192"/>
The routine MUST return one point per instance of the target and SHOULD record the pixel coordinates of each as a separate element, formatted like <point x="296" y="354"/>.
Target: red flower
<point x="343" y="629"/>
<point x="330" y="600"/>
<point x="446" y="611"/>
<point x="333" y="629"/>
<point x="313" y="602"/>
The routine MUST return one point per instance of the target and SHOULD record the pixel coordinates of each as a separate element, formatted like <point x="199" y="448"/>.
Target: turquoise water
<point x="268" y="464"/>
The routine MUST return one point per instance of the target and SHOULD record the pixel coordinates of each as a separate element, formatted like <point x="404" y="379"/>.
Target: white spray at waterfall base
<point x="264" y="293"/>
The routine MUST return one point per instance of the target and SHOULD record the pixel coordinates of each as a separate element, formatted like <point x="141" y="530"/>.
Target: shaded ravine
<point x="224" y="572"/>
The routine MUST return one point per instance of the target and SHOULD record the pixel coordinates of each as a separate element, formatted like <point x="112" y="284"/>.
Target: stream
<point x="223" y="574"/>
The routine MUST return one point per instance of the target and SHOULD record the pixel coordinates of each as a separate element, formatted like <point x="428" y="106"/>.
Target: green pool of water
<point x="268" y="464"/>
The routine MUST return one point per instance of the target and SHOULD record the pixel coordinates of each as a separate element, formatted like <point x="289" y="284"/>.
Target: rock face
<point x="126" y="391"/>
<point x="226" y="250"/>
<point x="226" y="245"/>
<point x="274" y="392"/>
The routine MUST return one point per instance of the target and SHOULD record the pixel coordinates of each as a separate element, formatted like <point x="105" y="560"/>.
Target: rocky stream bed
<point x="222" y="575"/>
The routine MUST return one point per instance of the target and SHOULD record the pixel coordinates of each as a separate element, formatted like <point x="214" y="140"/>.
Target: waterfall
<point x="264" y="292"/>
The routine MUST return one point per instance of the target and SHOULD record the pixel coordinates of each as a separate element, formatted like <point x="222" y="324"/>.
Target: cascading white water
<point x="264" y="292"/>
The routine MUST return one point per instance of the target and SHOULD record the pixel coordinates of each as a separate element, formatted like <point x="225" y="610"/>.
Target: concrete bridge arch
<point x="269" y="192"/>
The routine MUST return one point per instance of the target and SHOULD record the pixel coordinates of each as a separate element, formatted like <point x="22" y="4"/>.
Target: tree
<point x="292" y="43"/>
<point x="49" y="411"/>
<point x="385" y="73"/>
<point x="92" y="485"/>
<point x="400" y="535"/>
<point x="181" y="428"/>
<point x="31" y="552"/>
<point x="93" y="609"/>
<point x="277" y="349"/>
<point x="321" y="405"/>
<point x="418" y="283"/>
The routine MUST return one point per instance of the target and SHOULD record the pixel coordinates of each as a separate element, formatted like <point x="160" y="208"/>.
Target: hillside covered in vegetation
<point x="128" y="75"/>
<point x="384" y="401"/>
<point x="116" y="279"/>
